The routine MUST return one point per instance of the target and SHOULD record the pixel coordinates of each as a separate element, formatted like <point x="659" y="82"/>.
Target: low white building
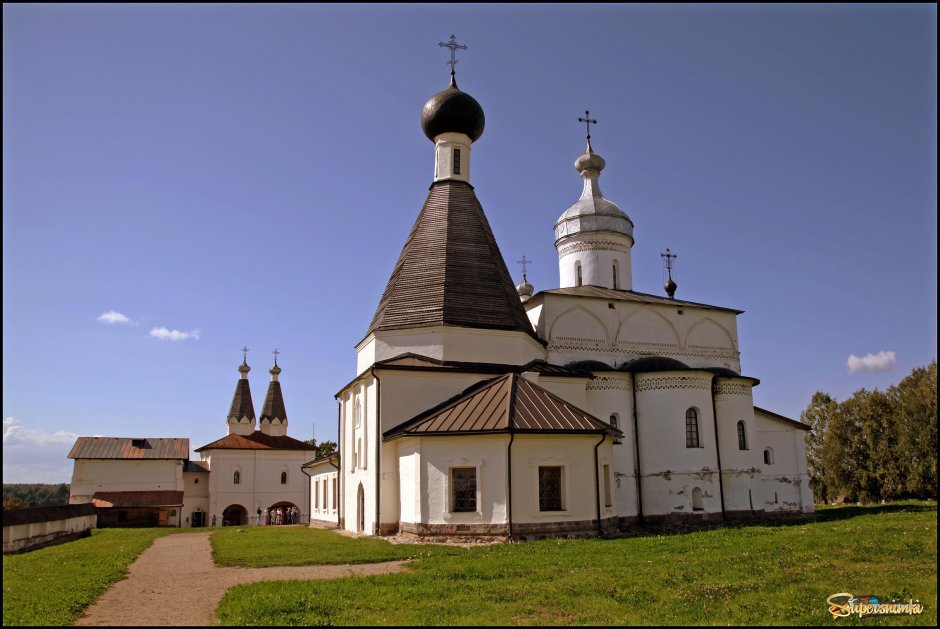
<point x="479" y="408"/>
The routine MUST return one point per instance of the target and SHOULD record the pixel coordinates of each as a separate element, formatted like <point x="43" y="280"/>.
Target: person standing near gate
<point x="259" y="516"/>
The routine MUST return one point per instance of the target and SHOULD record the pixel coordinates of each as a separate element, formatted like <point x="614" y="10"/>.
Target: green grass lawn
<point x="259" y="547"/>
<point x="779" y="574"/>
<point x="52" y="586"/>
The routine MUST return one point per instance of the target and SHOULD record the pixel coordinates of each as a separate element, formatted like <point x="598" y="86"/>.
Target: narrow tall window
<point x="550" y="489"/>
<point x="691" y="428"/>
<point x="768" y="456"/>
<point x="698" y="502"/>
<point x="456" y="161"/>
<point x="742" y="436"/>
<point x="608" y="501"/>
<point x="577" y="273"/>
<point x="463" y="480"/>
<point x="334" y="493"/>
<point x="316" y="493"/>
<point x="237" y="478"/>
<point x="283" y="478"/>
<point x="616" y="279"/>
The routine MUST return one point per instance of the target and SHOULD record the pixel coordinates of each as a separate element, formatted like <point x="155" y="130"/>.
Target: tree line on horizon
<point x="23" y="495"/>
<point x="876" y="445"/>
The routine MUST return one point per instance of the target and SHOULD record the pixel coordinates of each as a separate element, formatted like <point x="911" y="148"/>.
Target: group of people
<point x="278" y="515"/>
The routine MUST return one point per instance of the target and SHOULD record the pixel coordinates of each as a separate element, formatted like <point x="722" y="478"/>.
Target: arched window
<point x="691" y="428"/>
<point x="616" y="278"/>
<point x="698" y="502"/>
<point x="237" y="478"/>
<point x="768" y="456"/>
<point x="283" y="478"/>
<point x="614" y="421"/>
<point x="742" y="436"/>
<point x="577" y="273"/>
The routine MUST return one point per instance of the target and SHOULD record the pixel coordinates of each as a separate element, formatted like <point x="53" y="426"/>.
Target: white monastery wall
<point x="94" y="475"/>
<point x="195" y="496"/>
<point x="486" y="453"/>
<point x="324" y="487"/>
<point x="596" y="254"/>
<point x="785" y="481"/>
<point x="405" y="394"/>
<point x="740" y="468"/>
<point x="359" y="436"/>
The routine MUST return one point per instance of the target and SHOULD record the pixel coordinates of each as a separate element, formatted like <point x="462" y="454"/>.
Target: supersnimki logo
<point x="843" y="604"/>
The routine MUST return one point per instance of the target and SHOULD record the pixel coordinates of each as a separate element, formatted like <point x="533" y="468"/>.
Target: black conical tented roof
<point x="450" y="271"/>
<point x="242" y="405"/>
<point x="274" y="403"/>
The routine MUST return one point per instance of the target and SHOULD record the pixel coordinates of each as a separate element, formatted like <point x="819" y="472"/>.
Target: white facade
<point x="90" y="476"/>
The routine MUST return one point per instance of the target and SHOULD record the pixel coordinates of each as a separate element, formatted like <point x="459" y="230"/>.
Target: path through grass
<point x="52" y="586"/>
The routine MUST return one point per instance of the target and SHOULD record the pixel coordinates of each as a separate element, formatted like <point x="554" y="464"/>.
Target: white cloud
<point x="112" y="317"/>
<point x="32" y="455"/>
<point x="173" y="335"/>
<point x="882" y="361"/>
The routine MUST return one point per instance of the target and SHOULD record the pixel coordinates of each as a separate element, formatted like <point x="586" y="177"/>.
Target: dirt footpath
<point x="175" y="582"/>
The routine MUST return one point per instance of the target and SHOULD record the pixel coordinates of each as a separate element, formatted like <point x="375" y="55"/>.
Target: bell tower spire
<point x="273" y="415"/>
<point x="241" y="415"/>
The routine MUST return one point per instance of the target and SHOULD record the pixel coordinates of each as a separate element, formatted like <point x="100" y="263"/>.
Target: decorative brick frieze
<point x="601" y="383"/>
<point x="732" y="388"/>
<point x="659" y="383"/>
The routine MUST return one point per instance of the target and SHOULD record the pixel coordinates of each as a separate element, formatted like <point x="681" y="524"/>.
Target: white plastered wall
<point x="93" y="475"/>
<point x="613" y="332"/>
<point x="195" y="496"/>
<point x="596" y="253"/>
<point x="324" y="485"/>
<point x="785" y="482"/>
<point x="669" y="470"/>
<point x="740" y="468"/>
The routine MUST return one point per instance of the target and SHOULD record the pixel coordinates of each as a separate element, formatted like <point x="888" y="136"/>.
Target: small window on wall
<point x="768" y="456"/>
<point x="577" y="273"/>
<point x="456" y="161"/>
<point x="698" y="502"/>
<point x="616" y="278"/>
<point x="316" y="494"/>
<point x="463" y="482"/>
<point x="614" y="421"/>
<point x="691" y="429"/>
<point x="742" y="436"/>
<point x="195" y="481"/>
<point x="283" y="478"/>
<point x="334" y="493"/>
<point x="550" y="489"/>
<point x="237" y="478"/>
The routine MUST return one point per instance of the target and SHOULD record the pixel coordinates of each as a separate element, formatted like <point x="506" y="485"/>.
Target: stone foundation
<point x="454" y="530"/>
<point x="682" y="519"/>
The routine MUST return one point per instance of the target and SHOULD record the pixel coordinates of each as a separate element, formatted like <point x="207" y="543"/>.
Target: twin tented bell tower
<point x="241" y="416"/>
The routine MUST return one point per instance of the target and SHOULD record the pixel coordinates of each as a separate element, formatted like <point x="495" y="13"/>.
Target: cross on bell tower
<point x="523" y="262"/>
<point x="587" y="123"/>
<point x="454" y="47"/>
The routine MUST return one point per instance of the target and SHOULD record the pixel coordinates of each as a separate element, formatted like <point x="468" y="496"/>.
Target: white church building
<point x="482" y="409"/>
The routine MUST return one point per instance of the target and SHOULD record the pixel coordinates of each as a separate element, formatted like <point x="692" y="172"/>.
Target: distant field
<point x="52" y="586"/>
<point x="779" y="574"/>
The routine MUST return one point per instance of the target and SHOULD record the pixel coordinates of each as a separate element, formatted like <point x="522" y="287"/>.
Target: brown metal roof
<point x="450" y="271"/>
<point x="627" y="295"/>
<point x="129" y="448"/>
<point x="781" y="418"/>
<point x="256" y="441"/>
<point x="195" y="466"/>
<point x="507" y="403"/>
<point x="137" y="499"/>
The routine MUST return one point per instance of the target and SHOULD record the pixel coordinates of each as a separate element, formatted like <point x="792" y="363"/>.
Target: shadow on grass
<point x="822" y="514"/>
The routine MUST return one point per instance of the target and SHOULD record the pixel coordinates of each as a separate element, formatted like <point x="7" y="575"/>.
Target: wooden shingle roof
<point x="450" y="271"/>
<point x="508" y="403"/>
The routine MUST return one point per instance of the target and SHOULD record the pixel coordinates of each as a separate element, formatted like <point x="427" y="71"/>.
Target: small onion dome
<point x="244" y="368"/>
<point x="670" y="287"/>
<point x="452" y="111"/>
<point x="592" y="212"/>
<point x="275" y="370"/>
<point x="524" y="289"/>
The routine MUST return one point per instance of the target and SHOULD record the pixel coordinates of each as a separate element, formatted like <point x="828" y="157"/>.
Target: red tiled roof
<point x="503" y="404"/>
<point x="137" y="499"/>
<point x="256" y="441"/>
<point x="129" y="448"/>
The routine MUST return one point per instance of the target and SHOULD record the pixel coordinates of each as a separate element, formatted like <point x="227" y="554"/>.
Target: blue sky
<point x="223" y="175"/>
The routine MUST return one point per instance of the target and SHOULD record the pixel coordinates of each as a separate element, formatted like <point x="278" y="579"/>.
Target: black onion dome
<point x="452" y="111"/>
